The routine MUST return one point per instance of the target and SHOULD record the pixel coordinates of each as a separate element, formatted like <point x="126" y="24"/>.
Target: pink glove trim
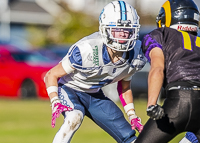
<point x="136" y="124"/>
<point x="59" y="109"/>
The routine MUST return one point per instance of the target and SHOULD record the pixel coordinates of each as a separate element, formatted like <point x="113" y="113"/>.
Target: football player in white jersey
<point x="111" y="55"/>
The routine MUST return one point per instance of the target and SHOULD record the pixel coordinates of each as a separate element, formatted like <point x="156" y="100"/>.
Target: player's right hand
<point x="155" y="112"/>
<point x="57" y="109"/>
<point x="136" y="124"/>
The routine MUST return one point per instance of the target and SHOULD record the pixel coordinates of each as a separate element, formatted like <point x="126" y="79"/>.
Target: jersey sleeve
<point x="72" y="60"/>
<point x="75" y="57"/>
<point x="150" y="41"/>
<point x="67" y="66"/>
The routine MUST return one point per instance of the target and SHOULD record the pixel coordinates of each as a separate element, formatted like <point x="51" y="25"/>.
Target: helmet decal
<point x="159" y="23"/>
<point x="168" y="15"/>
<point x="196" y="16"/>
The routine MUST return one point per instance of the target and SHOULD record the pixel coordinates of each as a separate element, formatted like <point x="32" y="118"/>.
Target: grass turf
<point x="29" y="121"/>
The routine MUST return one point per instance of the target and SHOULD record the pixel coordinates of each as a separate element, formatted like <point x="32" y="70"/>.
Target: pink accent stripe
<point x="119" y="89"/>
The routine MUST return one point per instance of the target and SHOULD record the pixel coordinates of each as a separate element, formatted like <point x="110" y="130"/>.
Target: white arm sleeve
<point x="67" y="66"/>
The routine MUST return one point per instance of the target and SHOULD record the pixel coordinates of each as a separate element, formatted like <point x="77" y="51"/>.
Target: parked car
<point x="22" y="73"/>
<point x="54" y="52"/>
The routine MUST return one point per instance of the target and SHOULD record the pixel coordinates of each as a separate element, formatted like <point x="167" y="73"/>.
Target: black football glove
<point x="155" y="112"/>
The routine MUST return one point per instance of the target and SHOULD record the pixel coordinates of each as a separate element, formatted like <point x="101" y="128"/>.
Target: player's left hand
<point x="57" y="109"/>
<point x="155" y="112"/>
<point x="136" y="124"/>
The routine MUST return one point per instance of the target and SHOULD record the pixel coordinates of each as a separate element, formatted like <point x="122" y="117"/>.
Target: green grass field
<point x="23" y="121"/>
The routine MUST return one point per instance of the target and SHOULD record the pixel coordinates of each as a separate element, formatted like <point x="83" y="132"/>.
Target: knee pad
<point x="73" y="119"/>
<point x="72" y="122"/>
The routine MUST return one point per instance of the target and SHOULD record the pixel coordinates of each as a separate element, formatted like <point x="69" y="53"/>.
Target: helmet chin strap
<point x="110" y="41"/>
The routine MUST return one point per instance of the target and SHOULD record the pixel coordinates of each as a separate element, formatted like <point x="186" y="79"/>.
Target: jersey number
<point x="187" y="42"/>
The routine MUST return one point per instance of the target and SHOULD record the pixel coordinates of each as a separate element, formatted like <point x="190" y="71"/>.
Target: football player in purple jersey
<point x="172" y="50"/>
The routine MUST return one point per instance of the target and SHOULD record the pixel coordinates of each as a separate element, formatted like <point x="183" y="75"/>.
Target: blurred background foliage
<point x="71" y="26"/>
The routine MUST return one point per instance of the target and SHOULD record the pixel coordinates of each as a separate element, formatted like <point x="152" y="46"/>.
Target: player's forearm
<point x="155" y="82"/>
<point x="125" y="93"/>
<point x="127" y="96"/>
<point x="51" y="84"/>
<point x="51" y="79"/>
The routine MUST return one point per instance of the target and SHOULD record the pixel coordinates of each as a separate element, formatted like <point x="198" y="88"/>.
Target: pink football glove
<point x="136" y="124"/>
<point x="57" y="109"/>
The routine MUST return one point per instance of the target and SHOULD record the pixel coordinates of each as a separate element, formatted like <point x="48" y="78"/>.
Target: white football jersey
<point x="93" y="67"/>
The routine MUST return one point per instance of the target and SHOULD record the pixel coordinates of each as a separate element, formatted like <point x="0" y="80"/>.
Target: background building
<point x="15" y="15"/>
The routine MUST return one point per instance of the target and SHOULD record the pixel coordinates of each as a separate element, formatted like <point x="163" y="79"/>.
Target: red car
<point x="22" y="73"/>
